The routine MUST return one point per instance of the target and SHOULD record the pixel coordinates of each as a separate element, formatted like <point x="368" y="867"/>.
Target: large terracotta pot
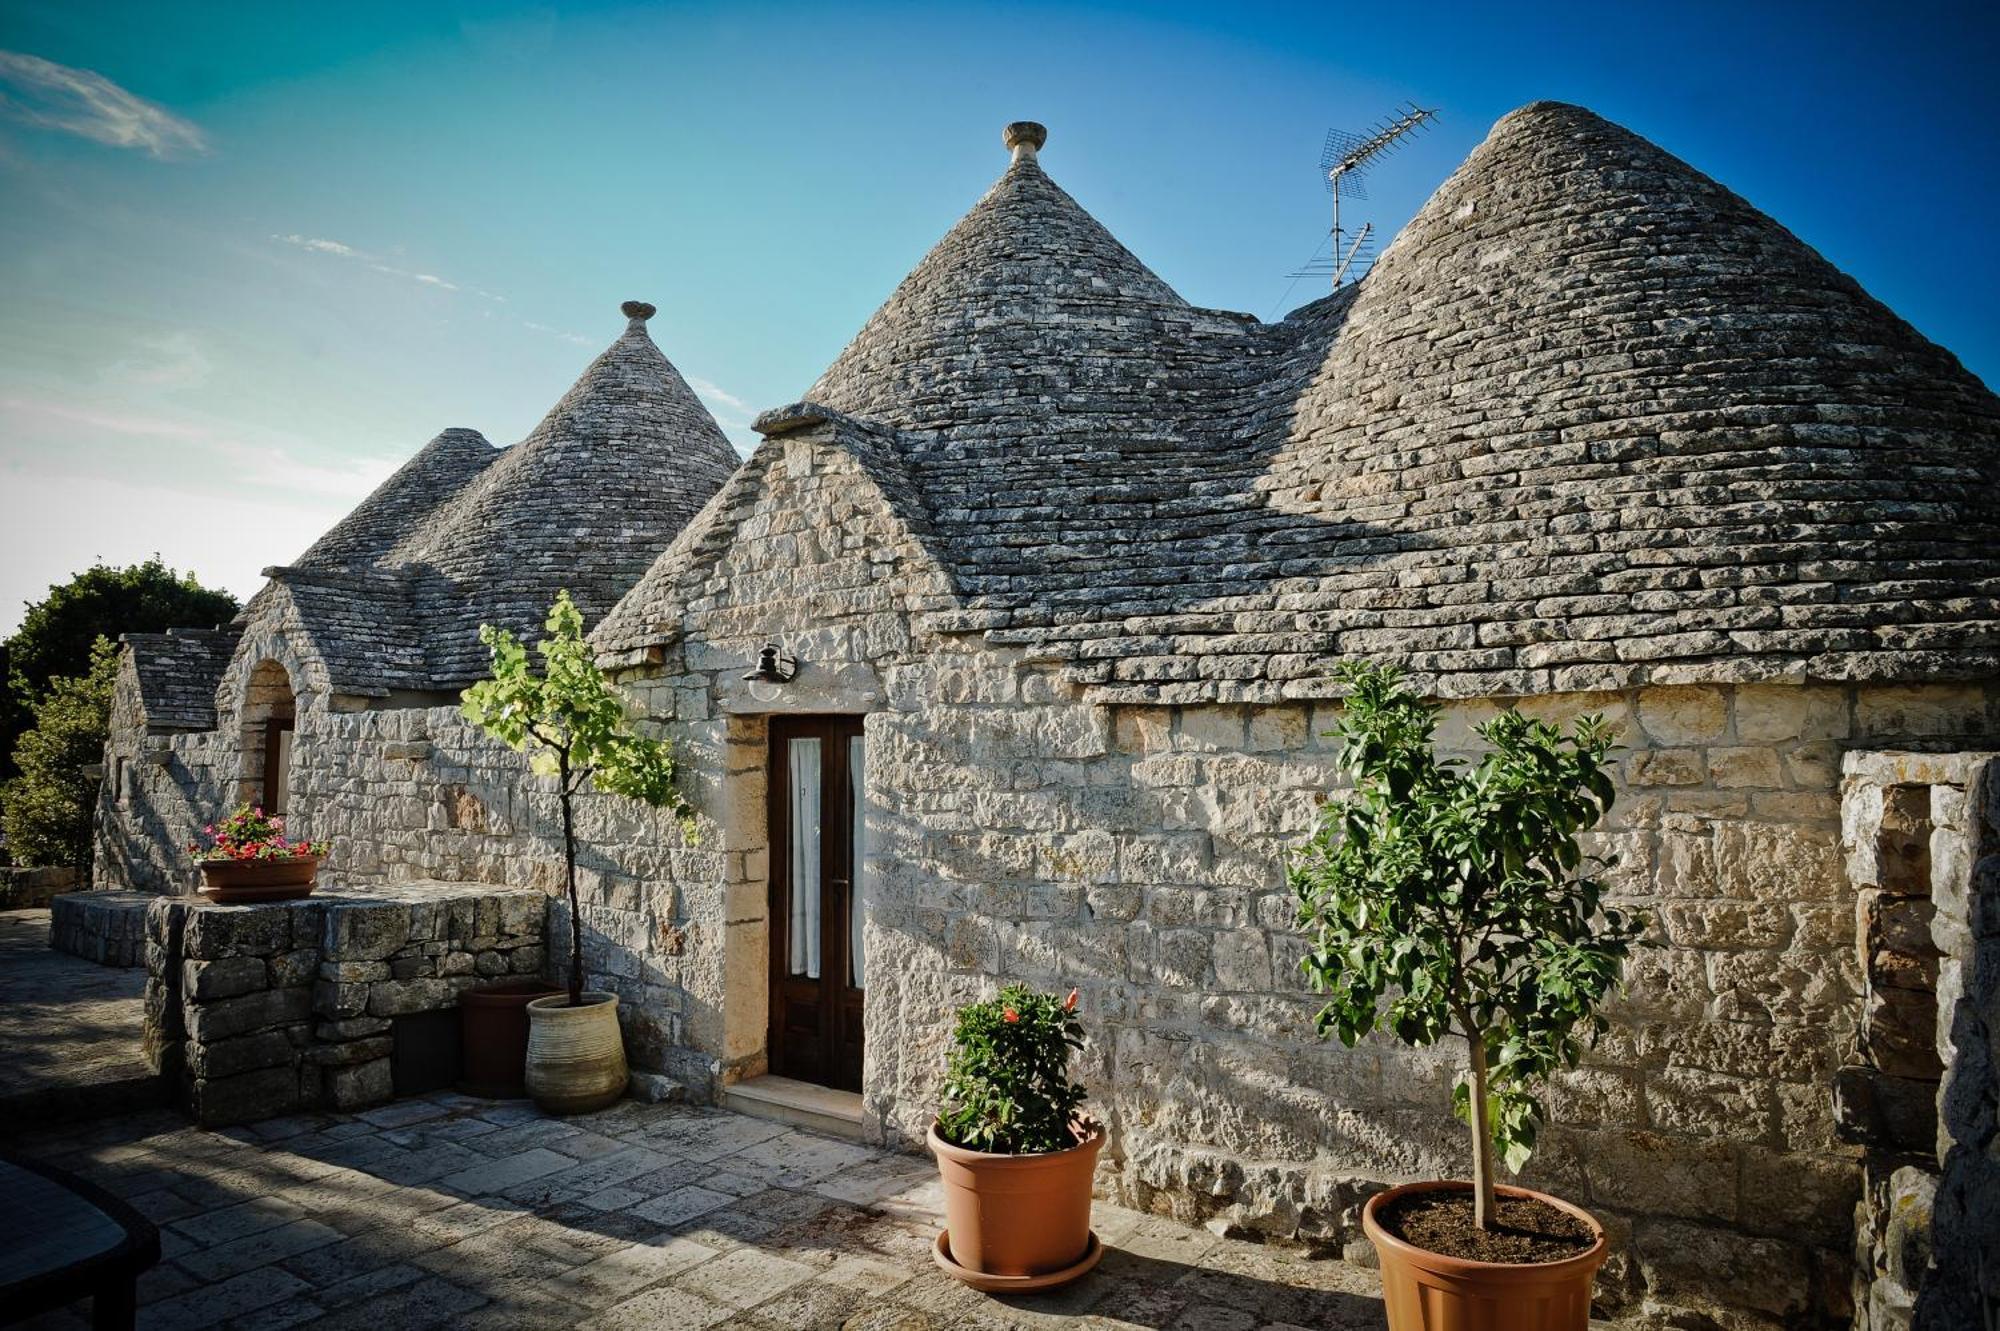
<point x="1428" y="1291"/>
<point x="576" y="1055"/>
<point x="1021" y="1220"/>
<point x="233" y="881"/>
<point x="493" y="1037"/>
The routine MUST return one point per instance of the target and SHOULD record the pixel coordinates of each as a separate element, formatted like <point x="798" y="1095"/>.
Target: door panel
<point x="815" y="811"/>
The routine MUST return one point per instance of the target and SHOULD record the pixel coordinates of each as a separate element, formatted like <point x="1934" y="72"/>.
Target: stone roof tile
<point x="178" y="673"/>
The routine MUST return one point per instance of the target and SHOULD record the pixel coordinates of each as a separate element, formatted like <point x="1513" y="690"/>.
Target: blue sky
<point x="253" y="257"/>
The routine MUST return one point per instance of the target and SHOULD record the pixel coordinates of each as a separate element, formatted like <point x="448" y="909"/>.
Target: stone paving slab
<point x="70" y="1030"/>
<point x="446" y="1211"/>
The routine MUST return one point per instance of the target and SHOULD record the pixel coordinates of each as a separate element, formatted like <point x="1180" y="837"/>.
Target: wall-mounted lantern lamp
<point x="774" y="669"/>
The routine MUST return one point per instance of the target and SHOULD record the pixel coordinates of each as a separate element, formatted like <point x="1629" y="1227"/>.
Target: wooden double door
<point x="817" y="834"/>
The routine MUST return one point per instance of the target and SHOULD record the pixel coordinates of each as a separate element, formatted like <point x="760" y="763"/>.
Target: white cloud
<point x="83" y="102"/>
<point x="112" y="422"/>
<point x="174" y="361"/>
<point x="272" y="465"/>
<point x="334" y="248"/>
<point x="716" y="393"/>
<point x="319" y="245"/>
<point x="576" y="339"/>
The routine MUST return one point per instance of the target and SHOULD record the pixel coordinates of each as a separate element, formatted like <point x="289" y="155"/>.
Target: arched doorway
<point x="270" y="710"/>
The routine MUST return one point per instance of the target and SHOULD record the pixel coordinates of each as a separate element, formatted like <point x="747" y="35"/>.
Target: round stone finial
<point x="638" y="309"/>
<point x="1024" y="139"/>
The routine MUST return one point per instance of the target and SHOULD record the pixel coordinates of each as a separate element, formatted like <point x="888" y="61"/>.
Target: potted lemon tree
<point x="1014" y="1148"/>
<point x="574" y="726"/>
<point x="1442" y="900"/>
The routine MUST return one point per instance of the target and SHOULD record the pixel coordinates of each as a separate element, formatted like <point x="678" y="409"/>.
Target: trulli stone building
<point x="1059" y="565"/>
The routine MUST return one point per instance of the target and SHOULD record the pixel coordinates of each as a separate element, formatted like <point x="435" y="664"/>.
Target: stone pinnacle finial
<point x="638" y="309"/>
<point x="1024" y="138"/>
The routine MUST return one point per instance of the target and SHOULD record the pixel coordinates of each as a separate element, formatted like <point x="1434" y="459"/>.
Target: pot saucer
<point x="941" y="1254"/>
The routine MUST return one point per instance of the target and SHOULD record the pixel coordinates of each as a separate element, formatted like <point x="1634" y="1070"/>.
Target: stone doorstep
<point x="799" y="1103"/>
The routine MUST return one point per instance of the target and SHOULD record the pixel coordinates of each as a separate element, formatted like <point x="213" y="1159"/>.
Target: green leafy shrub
<point x="573" y="724"/>
<point x="58" y="634"/>
<point x="51" y="806"/>
<point x="1464" y="894"/>
<point x="1007" y="1088"/>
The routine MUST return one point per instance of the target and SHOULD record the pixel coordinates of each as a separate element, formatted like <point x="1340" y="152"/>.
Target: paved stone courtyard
<point x="446" y="1210"/>
<point x="70" y="1029"/>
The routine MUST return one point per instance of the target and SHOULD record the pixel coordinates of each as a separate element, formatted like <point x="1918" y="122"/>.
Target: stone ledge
<point x="106" y="927"/>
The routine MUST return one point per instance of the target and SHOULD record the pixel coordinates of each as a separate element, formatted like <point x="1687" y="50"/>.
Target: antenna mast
<point x="1344" y="164"/>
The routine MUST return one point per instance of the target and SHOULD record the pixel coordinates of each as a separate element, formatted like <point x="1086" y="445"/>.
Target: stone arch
<point x="268" y="717"/>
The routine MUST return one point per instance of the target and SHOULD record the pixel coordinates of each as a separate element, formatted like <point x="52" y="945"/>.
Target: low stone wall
<point x="23" y="889"/>
<point x="255" y="1011"/>
<point x="108" y="928"/>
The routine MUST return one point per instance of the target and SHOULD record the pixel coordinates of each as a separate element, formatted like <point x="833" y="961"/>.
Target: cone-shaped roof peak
<point x="582" y="504"/>
<point x="1028" y="304"/>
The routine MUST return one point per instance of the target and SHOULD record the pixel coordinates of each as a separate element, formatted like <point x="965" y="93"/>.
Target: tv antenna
<point x="1344" y="163"/>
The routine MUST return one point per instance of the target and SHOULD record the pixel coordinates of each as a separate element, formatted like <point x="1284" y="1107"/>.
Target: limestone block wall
<point x="1018" y="833"/>
<point x="418" y="793"/>
<point x="256" y="1011"/>
<point x="158" y="793"/>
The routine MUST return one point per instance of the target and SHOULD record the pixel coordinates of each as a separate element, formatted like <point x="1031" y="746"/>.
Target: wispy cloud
<point x="272" y="464"/>
<point x="83" y="102"/>
<point x="717" y="394"/>
<point x="576" y="339"/>
<point x="337" y="250"/>
<point x="176" y="360"/>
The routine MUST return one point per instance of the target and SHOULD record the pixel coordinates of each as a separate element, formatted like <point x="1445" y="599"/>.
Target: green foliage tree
<point x="1006" y="1087"/>
<point x="50" y="807"/>
<point x="1463" y="893"/>
<point x="57" y="633"/>
<point x="573" y="724"/>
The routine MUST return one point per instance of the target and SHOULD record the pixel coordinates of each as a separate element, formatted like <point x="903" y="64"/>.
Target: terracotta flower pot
<point x="1428" y="1291"/>
<point x="493" y="1037"/>
<point x="232" y="881"/>
<point x="1017" y="1218"/>
<point x="576" y="1055"/>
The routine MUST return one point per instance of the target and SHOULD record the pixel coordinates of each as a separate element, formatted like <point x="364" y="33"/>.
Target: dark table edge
<point x="139" y="1250"/>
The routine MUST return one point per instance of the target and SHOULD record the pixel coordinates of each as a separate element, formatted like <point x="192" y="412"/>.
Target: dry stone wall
<point x="256" y="1011"/>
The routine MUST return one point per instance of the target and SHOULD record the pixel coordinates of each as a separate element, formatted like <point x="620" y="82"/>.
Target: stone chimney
<point x="1024" y="138"/>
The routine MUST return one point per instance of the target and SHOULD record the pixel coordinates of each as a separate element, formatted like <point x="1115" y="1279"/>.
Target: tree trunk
<point x="1483" y="1204"/>
<point x="569" y="884"/>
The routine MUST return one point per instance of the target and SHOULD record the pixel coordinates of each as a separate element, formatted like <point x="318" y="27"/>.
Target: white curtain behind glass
<point x="279" y="783"/>
<point x="857" y="897"/>
<point x="803" y="929"/>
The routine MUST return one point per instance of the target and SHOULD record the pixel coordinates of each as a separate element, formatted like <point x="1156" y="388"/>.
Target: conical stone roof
<point x="1592" y="421"/>
<point x="1030" y="318"/>
<point x="392" y="597"/>
<point x="399" y="506"/>
<point x="584" y="503"/>
<point x="1608" y="422"/>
